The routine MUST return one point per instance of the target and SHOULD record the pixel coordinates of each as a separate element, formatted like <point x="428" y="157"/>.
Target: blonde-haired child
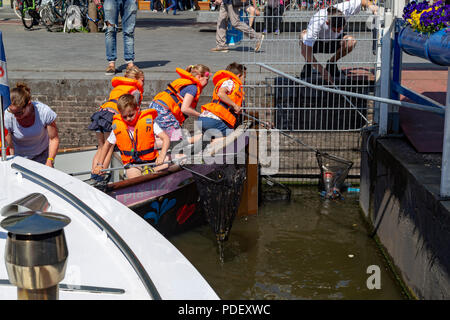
<point x="131" y="83"/>
<point x="133" y="131"/>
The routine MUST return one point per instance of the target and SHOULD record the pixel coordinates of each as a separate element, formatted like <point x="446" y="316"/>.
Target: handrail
<point x="440" y="111"/>
<point x="100" y="222"/>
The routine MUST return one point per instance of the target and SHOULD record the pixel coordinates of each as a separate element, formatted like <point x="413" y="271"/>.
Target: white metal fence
<point x="330" y="122"/>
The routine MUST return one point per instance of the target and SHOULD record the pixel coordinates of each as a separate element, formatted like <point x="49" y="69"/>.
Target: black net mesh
<point x="221" y="198"/>
<point x="272" y="190"/>
<point x="333" y="172"/>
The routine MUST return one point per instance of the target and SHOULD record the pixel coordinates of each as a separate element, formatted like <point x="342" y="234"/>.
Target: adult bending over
<point x="325" y="35"/>
<point x="31" y="125"/>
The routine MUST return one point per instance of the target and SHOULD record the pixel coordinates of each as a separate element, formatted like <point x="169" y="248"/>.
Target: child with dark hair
<point x="222" y="112"/>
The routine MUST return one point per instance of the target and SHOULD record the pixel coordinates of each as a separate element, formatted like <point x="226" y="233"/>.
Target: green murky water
<point x="306" y="249"/>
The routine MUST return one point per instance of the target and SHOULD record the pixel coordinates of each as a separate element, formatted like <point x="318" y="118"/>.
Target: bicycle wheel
<point x="17" y="7"/>
<point x="47" y="17"/>
<point x="27" y="19"/>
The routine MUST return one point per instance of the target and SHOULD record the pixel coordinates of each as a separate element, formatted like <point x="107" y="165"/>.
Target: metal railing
<point x="281" y="91"/>
<point x="316" y="110"/>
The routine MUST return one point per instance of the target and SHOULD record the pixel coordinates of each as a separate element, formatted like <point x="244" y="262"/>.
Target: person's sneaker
<point x="217" y="49"/>
<point x="277" y="32"/>
<point x="154" y="10"/>
<point x="265" y="31"/>
<point x="333" y="69"/>
<point x="110" y="71"/>
<point x="166" y="11"/>
<point x="259" y="43"/>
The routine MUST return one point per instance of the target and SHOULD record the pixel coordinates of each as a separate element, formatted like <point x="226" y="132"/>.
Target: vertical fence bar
<point x="445" y="171"/>
<point x="385" y="73"/>
<point x="329" y="121"/>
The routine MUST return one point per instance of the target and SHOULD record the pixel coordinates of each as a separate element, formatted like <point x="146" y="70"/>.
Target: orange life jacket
<point x="168" y="99"/>
<point x="122" y="85"/>
<point x="220" y="108"/>
<point x="7" y="148"/>
<point x="140" y="148"/>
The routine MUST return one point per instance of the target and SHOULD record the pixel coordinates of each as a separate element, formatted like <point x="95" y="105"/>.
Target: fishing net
<point x="333" y="172"/>
<point x="220" y="193"/>
<point x="272" y="190"/>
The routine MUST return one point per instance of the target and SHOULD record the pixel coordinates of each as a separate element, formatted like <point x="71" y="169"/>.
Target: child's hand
<point x="98" y="169"/>
<point x="159" y="160"/>
<point x="237" y="109"/>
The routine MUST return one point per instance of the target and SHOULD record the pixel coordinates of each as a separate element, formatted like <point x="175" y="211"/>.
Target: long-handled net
<point x="220" y="193"/>
<point x="333" y="172"/>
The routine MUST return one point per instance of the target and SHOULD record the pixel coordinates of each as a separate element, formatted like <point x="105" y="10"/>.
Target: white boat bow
<point x="113" y="253"/>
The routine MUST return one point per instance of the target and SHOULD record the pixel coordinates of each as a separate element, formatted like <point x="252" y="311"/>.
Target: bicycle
<point x="30" y="13"/>
<point x="16" y="5"/>
<point x="100" y="16"/>
<point x="54" y="12"/>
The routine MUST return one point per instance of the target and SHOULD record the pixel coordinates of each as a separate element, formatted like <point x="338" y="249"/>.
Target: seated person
<point x="134" y="133"/>
<point x="222" y="112"/>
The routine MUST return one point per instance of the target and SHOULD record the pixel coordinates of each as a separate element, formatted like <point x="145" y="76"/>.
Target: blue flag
<point x="4" y="85"/>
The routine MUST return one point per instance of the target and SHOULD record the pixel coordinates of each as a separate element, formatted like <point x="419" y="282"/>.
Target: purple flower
<point x="436" y="17"/>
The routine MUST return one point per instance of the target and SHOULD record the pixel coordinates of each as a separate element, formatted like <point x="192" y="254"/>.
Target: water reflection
<point x="306" y="249"/>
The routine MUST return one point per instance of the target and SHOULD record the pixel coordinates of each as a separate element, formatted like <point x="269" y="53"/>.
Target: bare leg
<point x="195" y="138"/>
<point x="100" y="141"/>
<point x="133" y="173"/>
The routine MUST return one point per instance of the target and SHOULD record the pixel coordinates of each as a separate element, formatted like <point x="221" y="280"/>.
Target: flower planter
<point x="434" y="47"/>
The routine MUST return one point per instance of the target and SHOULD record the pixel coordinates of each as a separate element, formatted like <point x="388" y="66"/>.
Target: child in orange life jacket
<point x="134" y="133"/>
<point x="180" y="99"/>
<point x="222" y="112"/>
<point x="133" y="83"/>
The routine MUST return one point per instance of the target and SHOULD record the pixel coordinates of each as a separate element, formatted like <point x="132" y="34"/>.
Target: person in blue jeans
<point x="173" y="6"/>
<point x="152" y="6"/>
<point x="127" y="10"/>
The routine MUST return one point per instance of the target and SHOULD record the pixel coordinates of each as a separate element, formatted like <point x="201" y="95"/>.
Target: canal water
<point x="309" y="248"/>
